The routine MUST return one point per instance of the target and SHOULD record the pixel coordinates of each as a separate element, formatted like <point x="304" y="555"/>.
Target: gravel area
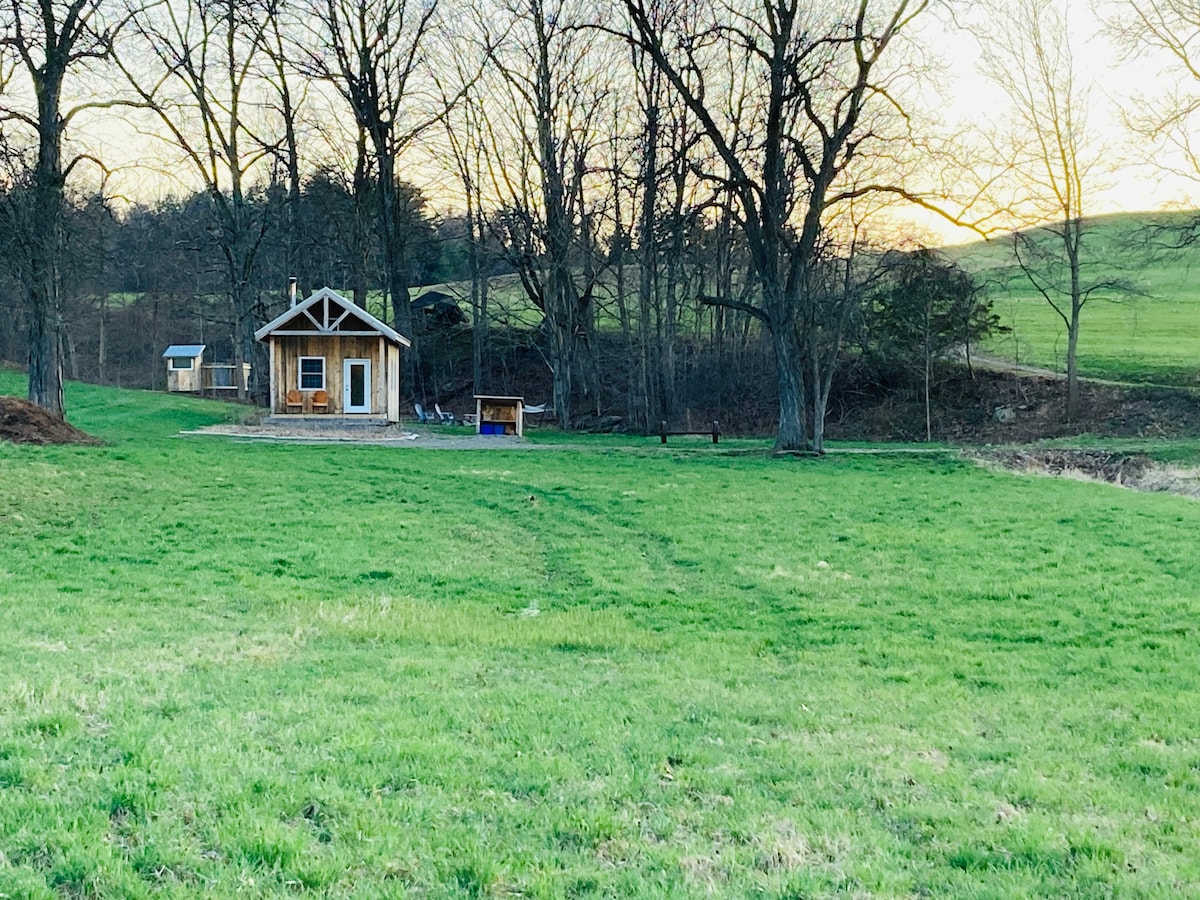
<point x="390" y="436"/>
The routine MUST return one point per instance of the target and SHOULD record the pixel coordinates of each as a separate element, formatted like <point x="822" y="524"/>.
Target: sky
<point x="967" y="98"/>
<point x="1129" y="183"/>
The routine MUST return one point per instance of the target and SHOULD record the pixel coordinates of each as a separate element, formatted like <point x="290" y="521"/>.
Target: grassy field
<point x="1148" y="334"/>
<point x="607" y="670"/>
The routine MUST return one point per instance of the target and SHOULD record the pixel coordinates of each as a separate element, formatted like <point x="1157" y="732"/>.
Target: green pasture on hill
<point x="606" y="670"/>
<point x="1148" y="332"/>
<point x="1137" y="340"/>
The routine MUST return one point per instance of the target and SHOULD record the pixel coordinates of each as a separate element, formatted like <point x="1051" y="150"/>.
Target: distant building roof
<point x="184" y="350"/>
<point x="441" y="305"/>
<point x="432" y="298"/>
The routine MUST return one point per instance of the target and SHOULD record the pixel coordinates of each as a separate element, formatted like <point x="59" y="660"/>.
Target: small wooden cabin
<point x="330" y="357"/>
<point x="183" y="367"/>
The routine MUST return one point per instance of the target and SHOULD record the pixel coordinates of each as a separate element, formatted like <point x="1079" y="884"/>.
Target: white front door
<point x="356" y="386"/>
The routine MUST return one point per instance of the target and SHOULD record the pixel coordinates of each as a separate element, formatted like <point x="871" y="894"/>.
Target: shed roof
<point x="433" y="298"/>
<point x="326" y="312"/>
<point x="184" y="350"/>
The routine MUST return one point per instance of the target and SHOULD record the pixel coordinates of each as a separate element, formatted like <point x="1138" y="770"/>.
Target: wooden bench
<point x="715" y="432"/>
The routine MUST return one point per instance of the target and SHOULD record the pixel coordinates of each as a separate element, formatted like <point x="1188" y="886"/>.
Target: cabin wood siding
<point x="184" y="380"/>
<point x="393" y="382"/>
<point x="285" y="369"/>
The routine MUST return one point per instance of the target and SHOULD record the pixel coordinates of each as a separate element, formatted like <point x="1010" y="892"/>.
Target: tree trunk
<point x="560" y="305"/>
<point x="362" y="222"/>
<point x="479" y="310"/>
<point x="479" y="280"/>
<point x="102" y="349"/>
<point x="820" y="378"/>
<point x="560" y="350"/>
<point x="45" y="320"/>
<point x="45" y="355"/>
<point x="1073" y="365"/>
<point x="395" y="251"/>
<point x="651" y="408"/>
<point x="792" y="433"/>
<point x="619" y="242"/>
<point x="928" y="363"/>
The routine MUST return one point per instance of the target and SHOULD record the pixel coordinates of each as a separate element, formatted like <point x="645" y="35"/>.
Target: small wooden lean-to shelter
<point x="499" y="415"/>
<point x="330" y="357"/>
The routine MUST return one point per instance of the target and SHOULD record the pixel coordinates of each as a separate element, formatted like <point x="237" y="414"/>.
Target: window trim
<point x="300" y="373"/>
<point x="176" y="360"/>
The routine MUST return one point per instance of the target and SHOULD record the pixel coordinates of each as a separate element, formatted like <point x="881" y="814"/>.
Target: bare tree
<point x="290" y="92"/>
<point x="1168" y="29"/>
<point x="466" y="136"/>
<point x="1026" y="50"/>
<point x="543" y="150"/>
<point x="48" y="41"/>
<point x="87" y="281"/>
<point x="667" y="211"/>
<point x="373" y="53"/>
<point x="654" y="387"/>
<point x="206" y="53"/>
<point x="462" y="84"/>
<point x="789" y="158"/>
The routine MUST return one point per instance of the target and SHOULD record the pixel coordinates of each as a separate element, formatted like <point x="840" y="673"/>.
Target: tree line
<point x="716" y="175"/>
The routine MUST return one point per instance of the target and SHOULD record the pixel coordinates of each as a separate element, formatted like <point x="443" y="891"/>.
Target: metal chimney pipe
<point x="292" y="289"/>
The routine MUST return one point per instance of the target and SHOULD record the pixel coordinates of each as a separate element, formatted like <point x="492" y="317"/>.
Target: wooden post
<point x="716" y="430"/>
<point x="664" y="431"/>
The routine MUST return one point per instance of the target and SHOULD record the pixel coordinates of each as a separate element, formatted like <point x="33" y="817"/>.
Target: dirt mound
<point x="21" y="422"/>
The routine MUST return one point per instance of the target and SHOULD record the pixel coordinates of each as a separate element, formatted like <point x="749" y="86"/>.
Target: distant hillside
<point x="1147" y="332"/>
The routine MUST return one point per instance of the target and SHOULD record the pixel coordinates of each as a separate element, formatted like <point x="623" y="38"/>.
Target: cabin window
<point x="181" y="362"/>
<point x="312" y="373"/>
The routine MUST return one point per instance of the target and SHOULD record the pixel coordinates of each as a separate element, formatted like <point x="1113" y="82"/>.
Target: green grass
<point x="1139" y="340"/>
<point x="1150" y="334"/>
<point x="274" y="671"/>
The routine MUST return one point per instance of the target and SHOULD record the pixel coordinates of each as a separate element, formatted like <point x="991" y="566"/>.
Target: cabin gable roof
<point x="327" y="312"/>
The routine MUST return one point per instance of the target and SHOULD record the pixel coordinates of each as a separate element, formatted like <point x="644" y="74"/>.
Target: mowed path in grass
<point x="368" y="672"/>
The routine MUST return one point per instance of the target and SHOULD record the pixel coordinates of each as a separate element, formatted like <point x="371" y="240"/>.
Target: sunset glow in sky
<point x="1129" y="183"/>
<point x="1132" y="176"/>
